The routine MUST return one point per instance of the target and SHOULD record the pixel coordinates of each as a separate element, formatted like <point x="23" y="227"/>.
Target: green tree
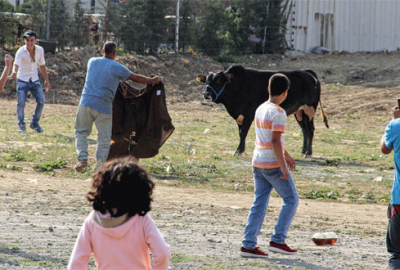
<point x="186" y="24"/>
<point x="155" y="22"/>
<point x="35" y="8"/>
<point x="126" y="21"/>
<point x="8" y="29"/>
<point x="270" y="28"/>
<point x="139" y="24"/>
<point x="236" y="28"/>
<point x="25" y="8"/>
<point x="59" y="23"/>
<point x="80" y="31"/>
<point x="6" y="6"/>
<point x="208" y="24"/>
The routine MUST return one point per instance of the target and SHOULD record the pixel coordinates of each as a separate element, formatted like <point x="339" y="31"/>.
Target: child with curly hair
<point x="119" y="232"/>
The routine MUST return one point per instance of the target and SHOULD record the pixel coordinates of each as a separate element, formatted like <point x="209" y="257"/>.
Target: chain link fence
<point x="213" y="27"/>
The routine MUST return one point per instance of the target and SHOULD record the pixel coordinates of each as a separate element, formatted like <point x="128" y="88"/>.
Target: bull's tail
<point x="312" y="73"/>
<point x="323" y="114"/>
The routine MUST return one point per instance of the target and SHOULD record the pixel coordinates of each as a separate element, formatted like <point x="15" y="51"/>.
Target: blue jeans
<point x="37" y="92"/>
<point x="85" y="117"/>
<point x="265" y="180"/>
<point x="393" y="236"/>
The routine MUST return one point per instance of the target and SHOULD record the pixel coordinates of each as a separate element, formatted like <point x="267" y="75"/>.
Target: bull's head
<point x="215" y="84"/>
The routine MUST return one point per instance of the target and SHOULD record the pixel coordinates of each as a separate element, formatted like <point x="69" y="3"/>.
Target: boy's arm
<point x="385" y="150"/>
<point x="290" y="161"/>
<point x="395" y="115"/>
<point x="6" y="71"/>
<point x="46" y="80"/>
<point x="277" y="147"/>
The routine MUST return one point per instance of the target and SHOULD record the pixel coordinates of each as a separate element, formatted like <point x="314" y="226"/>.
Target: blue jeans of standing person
<point x="37" y="92"/>
<point x="393" y="236"/>
<point x="265" y="180"/>
<point x="85" y="117"/>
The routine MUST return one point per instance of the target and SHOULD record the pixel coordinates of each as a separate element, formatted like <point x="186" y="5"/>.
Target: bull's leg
<point x="310" y="135"/>
<point x="243" y="130"/>
<point x="301" y="121"/>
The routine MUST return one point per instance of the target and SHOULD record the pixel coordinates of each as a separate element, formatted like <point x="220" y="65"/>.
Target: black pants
<point x="393" y="236"/>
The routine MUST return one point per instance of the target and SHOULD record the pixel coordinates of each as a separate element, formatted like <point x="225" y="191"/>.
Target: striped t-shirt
<point x="269" y="117"/>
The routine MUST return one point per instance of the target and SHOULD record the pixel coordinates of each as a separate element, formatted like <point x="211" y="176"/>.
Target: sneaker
<point x="80" y="165"/>
<point x="253" y="253"/>
<point x="36" y="127"/>
<point x="281" y="248"/>
<point x="21" y="129"/>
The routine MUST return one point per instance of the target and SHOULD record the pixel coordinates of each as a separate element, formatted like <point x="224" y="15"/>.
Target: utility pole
<point x="177" y="29"/>
<point x="105" y="23"/>
<point x="48" y="20"/>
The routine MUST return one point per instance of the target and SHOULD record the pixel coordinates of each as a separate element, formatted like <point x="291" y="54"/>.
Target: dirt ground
<point x="45" y="213"/>
<point x="41" y="215"/>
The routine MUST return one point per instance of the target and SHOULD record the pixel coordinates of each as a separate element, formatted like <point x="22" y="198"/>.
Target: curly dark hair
<point x="123" y="184"/>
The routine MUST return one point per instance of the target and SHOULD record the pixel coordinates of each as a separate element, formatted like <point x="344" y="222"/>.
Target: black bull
<point x="242" y="90"/>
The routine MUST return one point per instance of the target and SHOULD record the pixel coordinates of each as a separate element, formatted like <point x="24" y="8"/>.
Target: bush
<point x="5" y="6"/>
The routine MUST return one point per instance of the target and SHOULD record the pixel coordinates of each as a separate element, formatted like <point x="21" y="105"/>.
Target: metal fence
<point x="212" y="27"/>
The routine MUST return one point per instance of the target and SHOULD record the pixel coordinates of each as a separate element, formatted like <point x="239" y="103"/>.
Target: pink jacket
<point x="120" y="243"/>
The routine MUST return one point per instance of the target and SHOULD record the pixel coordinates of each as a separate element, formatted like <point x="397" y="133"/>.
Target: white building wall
<point x="86" y="4"/>
<point x="344" y="25"/>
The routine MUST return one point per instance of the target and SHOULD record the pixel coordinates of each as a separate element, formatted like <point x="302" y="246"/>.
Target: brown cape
<point x="141" y="123"/>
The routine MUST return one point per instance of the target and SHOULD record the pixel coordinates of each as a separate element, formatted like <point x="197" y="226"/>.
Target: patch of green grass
<point x="11" y="167"/>
<point x="322" y="194"/>
<point x="354" y="191"/>
<point x="342" y="154"/>
<point x="35" y="262"/>
<point x="333" y="162"/>
<point x="176" y="258"/>
<point x="49" y="167"/>
<point x="14" y="157"/>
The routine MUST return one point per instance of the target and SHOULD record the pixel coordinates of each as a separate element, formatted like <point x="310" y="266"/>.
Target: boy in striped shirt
<point x="271" y="165"/>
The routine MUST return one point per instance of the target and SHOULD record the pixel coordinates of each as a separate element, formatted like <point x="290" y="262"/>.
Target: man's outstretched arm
<point x="4" y="76"/>
<point x="143" y="79"/>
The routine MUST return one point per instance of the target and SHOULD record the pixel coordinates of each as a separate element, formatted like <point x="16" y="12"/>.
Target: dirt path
<point x="41" y="216"/>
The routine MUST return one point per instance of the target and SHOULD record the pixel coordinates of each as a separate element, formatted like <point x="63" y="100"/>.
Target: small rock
<point x="378" y="179"/>
<point x="51" y="229"/>
<point x="188" y="212"/>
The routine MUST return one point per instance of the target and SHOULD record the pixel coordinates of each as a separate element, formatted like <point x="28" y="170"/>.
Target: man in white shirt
<point x="27" y="60"/>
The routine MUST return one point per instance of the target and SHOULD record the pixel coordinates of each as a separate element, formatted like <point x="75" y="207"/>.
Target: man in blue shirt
<point x="391" y="141"/>
<point x="102" y="80"/>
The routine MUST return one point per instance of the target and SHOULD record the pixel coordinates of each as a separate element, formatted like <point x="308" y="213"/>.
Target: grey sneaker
<point x="36" y="127"/>
<point x="80" y="165"/>
<point x="21" y="129"/>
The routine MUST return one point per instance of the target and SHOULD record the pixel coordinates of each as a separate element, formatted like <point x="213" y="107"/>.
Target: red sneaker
<point x="253" y="253"/>
<point x="281" y="248"/>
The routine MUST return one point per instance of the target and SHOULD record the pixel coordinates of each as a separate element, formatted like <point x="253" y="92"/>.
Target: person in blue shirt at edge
<point x="391" y="142"/>
<point x="102" y="80"/>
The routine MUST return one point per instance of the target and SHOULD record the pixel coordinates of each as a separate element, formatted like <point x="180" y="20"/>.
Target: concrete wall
<point x="344" y="25"/>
